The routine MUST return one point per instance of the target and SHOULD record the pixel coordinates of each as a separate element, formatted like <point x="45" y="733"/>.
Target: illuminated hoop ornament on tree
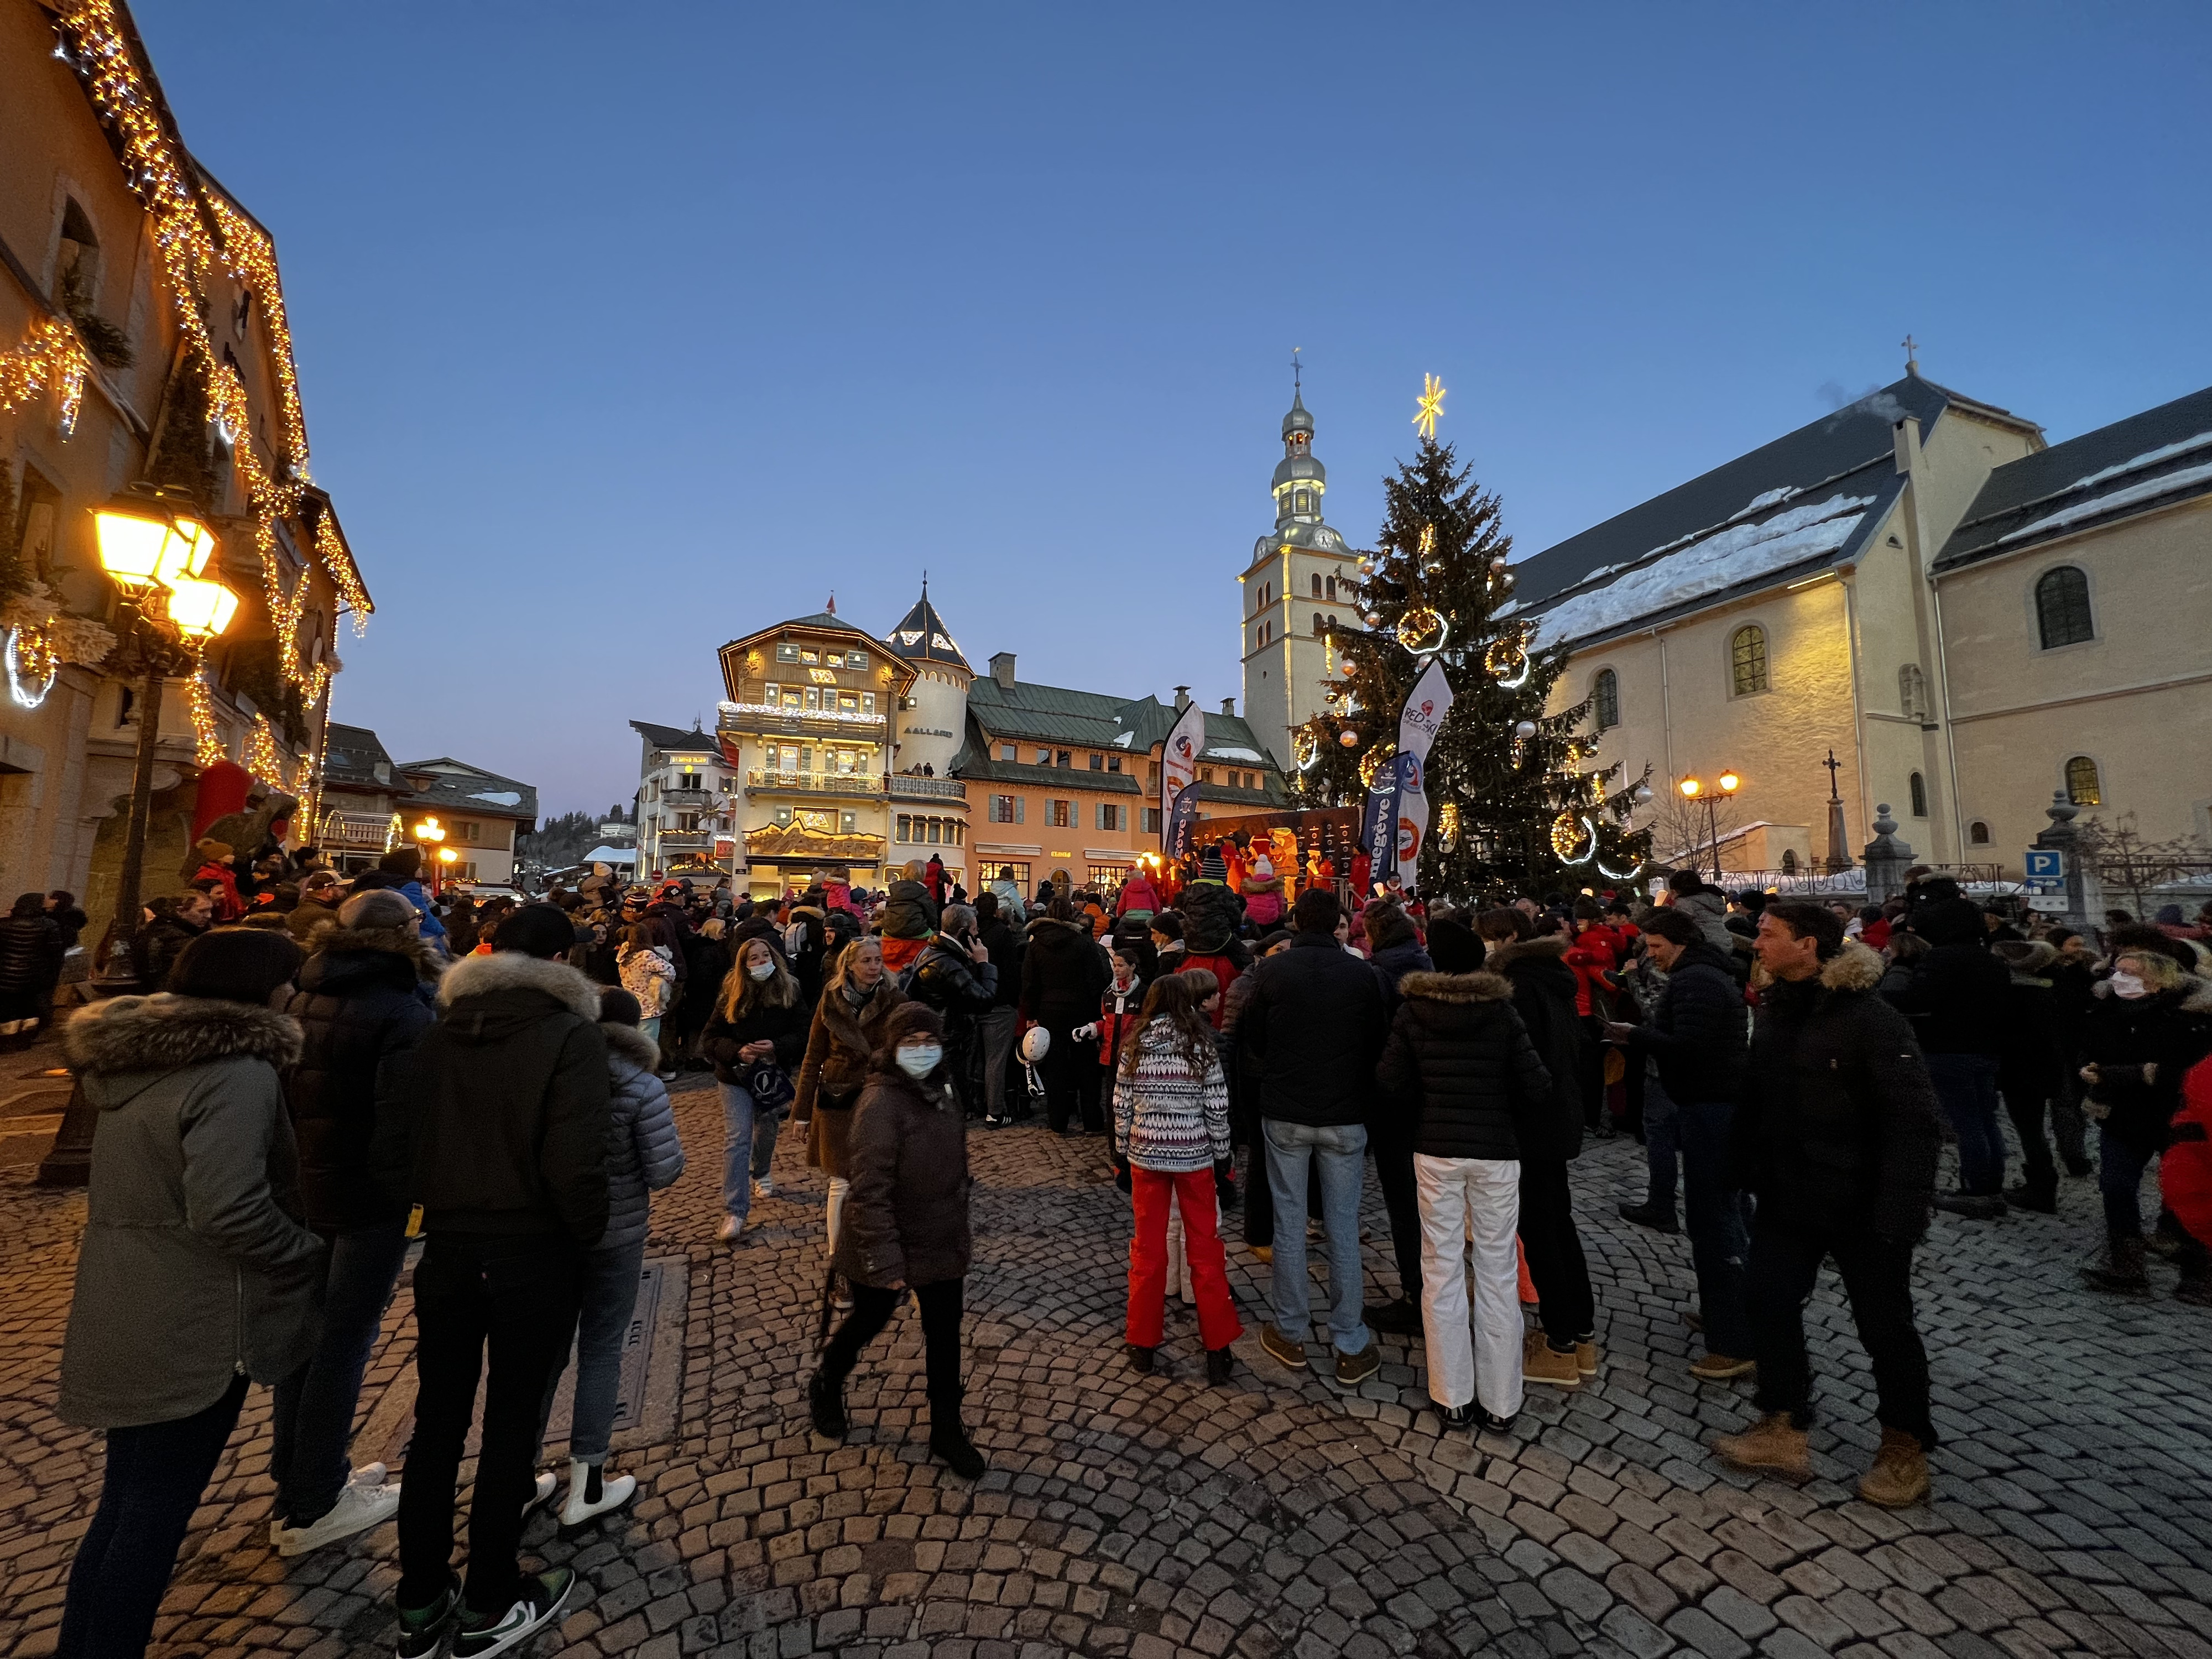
<point x="1305" y="749"/>
<point x="1448" y="825"/>
<point x="1507" y="660"/>
<point x="32" y="666"/>
<point x="40" y="638"/>
<point x="1422" y="632"/>
<point x="1574" y="838"/>
<point x="1612" y="874"/>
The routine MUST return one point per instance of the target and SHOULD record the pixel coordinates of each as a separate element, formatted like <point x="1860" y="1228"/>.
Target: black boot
<point x="1142" y="1360"/>
<point x="1397" y="1318"/>
<point x="2121" y="1271"/>
<point x="1653" y="1216"/>
<point x="949" y="1442"/>
<point x="1219" y="1363"/>
<point x="825" y="1404"/>
<point x="2041" y="1197"/>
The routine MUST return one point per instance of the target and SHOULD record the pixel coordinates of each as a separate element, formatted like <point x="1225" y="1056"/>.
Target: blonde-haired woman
<point x="755" y="1038"/>
<point x="847" y="1029"/>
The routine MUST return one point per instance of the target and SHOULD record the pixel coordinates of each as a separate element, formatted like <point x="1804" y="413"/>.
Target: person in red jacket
<point x="1118" y="1008"/>
<point x="2184" y="1184"/>
<point x="1597" y="950"/>
<point x="1139" y="895"/>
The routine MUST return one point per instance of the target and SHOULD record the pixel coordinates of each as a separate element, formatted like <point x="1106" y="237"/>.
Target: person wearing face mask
<point x="755" y="1038"/>
<point x="2151" y="1024"/>
<point x="846" y="1031"/>
<point x="905" y="1227"/>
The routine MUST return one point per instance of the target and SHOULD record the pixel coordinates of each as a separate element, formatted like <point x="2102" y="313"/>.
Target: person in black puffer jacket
<point x="1565" y="1350"/>
<point x="1836" y="1132"/>
<point x="1956" y="1002"/>
<point x="2030" y="1066"/>
<point x="1699" y="1034"/>
<point x="30" y="966"/>
<point x="1063" y="974"/>
<point x="1397" y="946"/>
<point x="995" y="1026"/>
<point x="1459" y="1069"/>
<point x="755" y="1038"/>
<point x="363" y="1002"/>
<point x="955" y="976"/>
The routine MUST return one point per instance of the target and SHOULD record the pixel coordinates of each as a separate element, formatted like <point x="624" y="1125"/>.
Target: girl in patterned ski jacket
<point x="1171" y="1133"/>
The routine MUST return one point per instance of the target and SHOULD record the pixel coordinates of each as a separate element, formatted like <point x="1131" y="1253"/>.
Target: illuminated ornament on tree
<point x="1430" y="407"/>
<point x="1348" y="738"/>
<point x="1374" y="619"/>
<point x="1373" y="762"/>
<point x="1525" y="730"/>
<point x="41" y="637"/>
<point x="1367" y="567"/>
<point x="1574" y="838"/>
<point x="1644" y="795"/>
<point x="1422" y="632"/>
<point x="1617" y="875"/>
<point x="1305" y="749"/>
<point x="1430" y="564"/>
<point x="1448" y="825"/>
<point x="1507" y="660"/>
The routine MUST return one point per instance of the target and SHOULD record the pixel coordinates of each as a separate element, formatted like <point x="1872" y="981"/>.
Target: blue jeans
<point x="748" y="1144"/>
<point x="610" y="1286"/>
<point x="1340" y="1150"/>
<point x="312" y="1416"/>
<point x="154" y="1477"/>
<point x="1718" y="1242"/>
<point x="1661" y="1140"/>
<point x="2120" y="1181"/>
<point x="1967" y="1086"/>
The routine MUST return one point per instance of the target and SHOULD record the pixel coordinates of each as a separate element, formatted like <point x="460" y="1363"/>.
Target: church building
<point x="1971" y="620"/>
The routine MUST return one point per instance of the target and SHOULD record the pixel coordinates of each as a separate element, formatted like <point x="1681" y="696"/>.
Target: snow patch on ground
<point x="1740" y="553"/>
<point x="2112" y="501"/>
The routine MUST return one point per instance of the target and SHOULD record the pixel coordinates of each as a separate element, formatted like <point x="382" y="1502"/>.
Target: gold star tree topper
<point x="1430" y="406"/>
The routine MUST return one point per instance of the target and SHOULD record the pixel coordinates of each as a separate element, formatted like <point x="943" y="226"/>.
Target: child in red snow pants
<point x="1193" y="1191"/>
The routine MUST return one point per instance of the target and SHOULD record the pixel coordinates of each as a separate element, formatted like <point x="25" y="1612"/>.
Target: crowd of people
<point x="323" y="1072"/>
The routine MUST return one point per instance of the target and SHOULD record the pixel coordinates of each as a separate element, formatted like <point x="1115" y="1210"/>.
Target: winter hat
<point x="405" y="862"/>
<point x="1211" y="866"/>
<point x="618" y="1007"/>
<point x="1263" y="866"/>
<point x="378" y="908"/>
<point x="909" y="1019"/>
<point x="535" y="930"/>
<point x="1453" y="946"/>
<point x="1948" y="921"/>
<point x="2169" y="915"/>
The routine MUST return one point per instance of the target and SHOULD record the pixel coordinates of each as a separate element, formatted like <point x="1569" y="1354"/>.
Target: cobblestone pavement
<point x="1146" y="1517"/>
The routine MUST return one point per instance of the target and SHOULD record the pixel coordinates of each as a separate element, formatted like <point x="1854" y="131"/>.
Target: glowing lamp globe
<point x="198" y="609"/>
<point x="149" y="537"/>
<point x="1692" y="788"/>
<point x="1729" y="783"/>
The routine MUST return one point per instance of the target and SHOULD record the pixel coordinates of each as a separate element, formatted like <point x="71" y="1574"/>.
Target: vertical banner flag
<point x="1178" y="771"/>
<point x="1378" y="826"/>
<point x="1424" y="716"/>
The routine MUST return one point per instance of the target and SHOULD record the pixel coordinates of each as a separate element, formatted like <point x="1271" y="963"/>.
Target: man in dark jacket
<point x="503" y="1147"/>
<point x="1565" y="1350"/>
<point x="994" y="1027"/>
<point x="1314" y="1026"/>
<point x="363" y="1003"/>
<point x="178" y="918"/>
<point x="1956" y="1002"/>
<point x="1063" y="974"/>
<point x="955" y="976"/>
<point x="1837" y="1132"/>
<point x="1396" y="944"/>
<point x="1697" y="1033"/>
<point x="2028" y="1067"/>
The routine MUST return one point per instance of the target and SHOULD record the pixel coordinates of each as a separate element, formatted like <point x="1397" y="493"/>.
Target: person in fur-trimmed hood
<point x="195" y="1275"/>
<point x="1837" y="1132"/>
<point x="1460" y="1070"/>
<point x="502" y="1140"/>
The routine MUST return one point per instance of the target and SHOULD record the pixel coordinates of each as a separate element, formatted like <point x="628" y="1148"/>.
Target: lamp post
<point x="429" y="834"/>
<point x="446" y="856"/>
<point x="154" y="544"/>
<point x="1693" y="791"/>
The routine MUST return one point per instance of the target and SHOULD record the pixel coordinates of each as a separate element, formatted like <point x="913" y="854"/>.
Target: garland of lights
<point x="40" y="638"/>
<point x="207" y="736"/>
<point x="198" y="231"/>
<point x="50" y="355"/>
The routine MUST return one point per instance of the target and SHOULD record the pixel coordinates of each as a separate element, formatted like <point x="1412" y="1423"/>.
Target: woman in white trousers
<point x="1459" y="1060"/>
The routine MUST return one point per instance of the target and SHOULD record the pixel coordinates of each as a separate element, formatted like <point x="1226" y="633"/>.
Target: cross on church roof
<point x="1911" y="355"/>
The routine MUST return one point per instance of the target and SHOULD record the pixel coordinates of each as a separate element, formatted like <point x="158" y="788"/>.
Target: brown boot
<point x="1900" y="1474"/>
<point x="1771" y="1446"/>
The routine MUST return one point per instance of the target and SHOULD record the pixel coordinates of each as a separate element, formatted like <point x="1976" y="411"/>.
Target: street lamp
<point x="447" y="857"/>
<point x="1693" y="790"/>
<point x="154" y="546"/>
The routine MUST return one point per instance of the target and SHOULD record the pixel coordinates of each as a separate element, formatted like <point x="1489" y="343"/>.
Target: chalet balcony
<point x="762" y="780"/>
<point x="773" y="721"/>
<point x="904" y="787"/>
<point x="358" y="832"/>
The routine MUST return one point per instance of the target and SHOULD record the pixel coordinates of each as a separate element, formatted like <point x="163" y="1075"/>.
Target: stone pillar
<point x="1888" y="859"/>
<point x="1839" y="854"/>
<point x="2084" y="892"/>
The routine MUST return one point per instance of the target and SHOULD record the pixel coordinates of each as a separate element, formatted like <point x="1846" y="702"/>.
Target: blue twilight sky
<point x="627" y="330"/>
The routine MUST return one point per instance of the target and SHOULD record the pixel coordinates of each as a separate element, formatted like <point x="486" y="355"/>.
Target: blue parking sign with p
<point x="2045" y="864"/>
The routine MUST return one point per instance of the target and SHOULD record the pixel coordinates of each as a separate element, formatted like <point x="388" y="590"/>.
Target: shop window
<point x="2061" y="607"/>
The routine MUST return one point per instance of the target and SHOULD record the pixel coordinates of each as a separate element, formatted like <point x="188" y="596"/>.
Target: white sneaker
<point x="358" y="1509"/>
<point x="542" y="1492"/>
<point x="732" y="1229"/>
<point x="590" y="1493"/>
<point x="368" y="1474"/>
<point x="763" y="1187"/>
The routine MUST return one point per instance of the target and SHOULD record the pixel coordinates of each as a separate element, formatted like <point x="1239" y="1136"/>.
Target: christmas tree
<point x="1517" y="801"/>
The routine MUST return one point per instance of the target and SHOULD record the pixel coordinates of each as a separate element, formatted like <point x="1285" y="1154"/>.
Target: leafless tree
<point x="2127" y="861"/>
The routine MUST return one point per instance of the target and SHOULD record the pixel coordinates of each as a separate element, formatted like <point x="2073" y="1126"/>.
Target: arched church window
<point x="1316" y="593"/>
<point x="2083" y="786"/>
<point x="1919" y="787"/>
<point x="1332" y="590"/>
<point x="1605" y="698"/>
<point x="1748" y="660"/>
<point x="2061" y="607"/>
